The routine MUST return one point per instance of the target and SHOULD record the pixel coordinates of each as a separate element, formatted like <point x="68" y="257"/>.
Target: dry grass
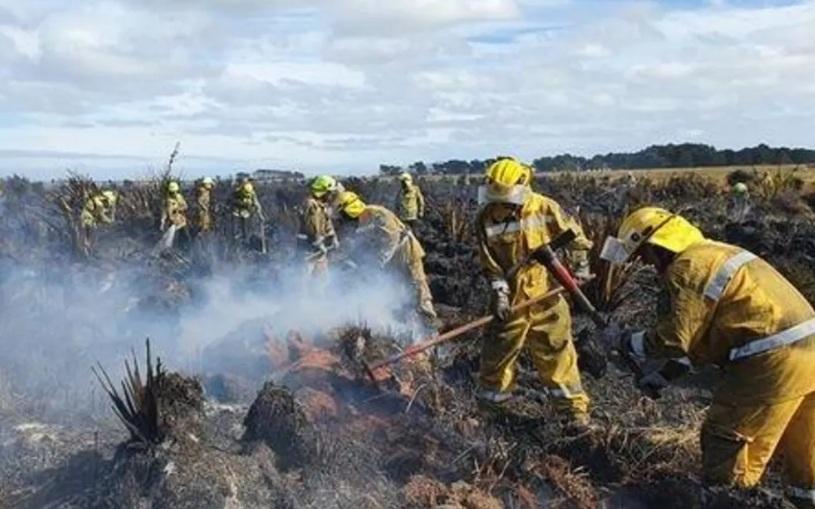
<point x="716" y="173"/>
<point x="573" y="484"/>
<point x="457" y="222"/>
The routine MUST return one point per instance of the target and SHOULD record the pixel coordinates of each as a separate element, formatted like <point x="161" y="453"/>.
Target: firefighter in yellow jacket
<point x="512" y="223"/>
<point x="100" y="208"/>
<point x="246" y="207"/>
<point x="174" y="215"/>
<point x="317" y="230"/>
<point x="393" y="243"/>
<point x="204" y="213"/>
<point x="410" y="201"/>
<point x="725" y="306"/>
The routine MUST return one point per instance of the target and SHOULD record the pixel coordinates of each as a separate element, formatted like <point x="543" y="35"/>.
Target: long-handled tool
<point x="568" y="285"/>
<point x="452" y="334"/>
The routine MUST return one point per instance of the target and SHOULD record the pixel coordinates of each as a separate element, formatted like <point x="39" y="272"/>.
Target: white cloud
<point x="351" y="83"/>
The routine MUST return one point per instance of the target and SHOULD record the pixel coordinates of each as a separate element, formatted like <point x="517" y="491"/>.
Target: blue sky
<point x="107" y="87"/>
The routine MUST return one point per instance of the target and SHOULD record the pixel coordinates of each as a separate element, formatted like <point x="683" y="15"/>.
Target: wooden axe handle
<point x="456" y="332"/>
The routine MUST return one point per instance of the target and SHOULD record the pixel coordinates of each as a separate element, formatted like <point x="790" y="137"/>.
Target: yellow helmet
<point x="507" y="180"/>
<point x="405" y="177"/>
<point x="110" y="195"/>
<point x="173" y="187"/>
<point x="350" y="204"/>
<point x="651" y="225"/>
<point x="247" y="187"/>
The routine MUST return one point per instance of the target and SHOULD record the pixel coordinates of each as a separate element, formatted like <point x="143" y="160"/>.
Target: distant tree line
<point x="656" y="156"/>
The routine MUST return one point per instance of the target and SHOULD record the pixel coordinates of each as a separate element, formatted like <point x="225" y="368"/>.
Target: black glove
<point x="652" y="384"/>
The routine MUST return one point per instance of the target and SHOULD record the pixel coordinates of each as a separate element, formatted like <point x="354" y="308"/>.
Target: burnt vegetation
<point x="292" y="420"/>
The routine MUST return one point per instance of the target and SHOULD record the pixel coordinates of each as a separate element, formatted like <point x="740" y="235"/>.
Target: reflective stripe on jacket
<point x="731" y="308"/>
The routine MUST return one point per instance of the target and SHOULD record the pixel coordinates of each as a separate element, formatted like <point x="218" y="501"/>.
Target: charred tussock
<point x="136" y="406"/>
<point x="290" y="418"/>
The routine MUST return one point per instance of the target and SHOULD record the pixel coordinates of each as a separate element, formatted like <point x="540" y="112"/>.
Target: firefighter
<point x="725" y="306"/>
<point x="410" y="201"/>
<point x="205" y="209"/>
<point x="317" y="230"/>
<point x="393" y="244"/>
<point x="513" y="222"/>
<point x="245" y="208"/>
<point x="99" y="209"/>
<point x="174" y="215"/>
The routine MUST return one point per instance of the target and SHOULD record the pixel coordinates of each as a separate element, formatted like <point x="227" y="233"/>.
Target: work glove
<point x="500" y="300"/>
<point x="652" y="384"/>
<point x="583" y="272"/>
<point x="580" y="265"/>
<point x="628" y="341"/>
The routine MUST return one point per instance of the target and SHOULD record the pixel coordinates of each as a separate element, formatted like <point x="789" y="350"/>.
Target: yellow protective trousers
<point x="546" y="330"/>
<point x="739" y="441"/>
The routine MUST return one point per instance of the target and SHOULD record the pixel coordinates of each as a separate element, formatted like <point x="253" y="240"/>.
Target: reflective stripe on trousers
<point x="716" y="287"/>
<point x="783" y="338"/>
<point x="564" y="391"/>
<point x="801" y="493"/>
<point x="536" y="221"/>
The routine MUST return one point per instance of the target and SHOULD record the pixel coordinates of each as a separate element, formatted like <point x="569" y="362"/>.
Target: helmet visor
<point x="495" y="193"/>
<point x="614" y="251"/>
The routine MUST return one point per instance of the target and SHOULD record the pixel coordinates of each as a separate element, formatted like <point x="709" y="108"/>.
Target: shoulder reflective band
<point x="716" y="287"/>
<point x="783" y="338"/>
<point x="801" y="493"/>
<point x="529" y="223"/>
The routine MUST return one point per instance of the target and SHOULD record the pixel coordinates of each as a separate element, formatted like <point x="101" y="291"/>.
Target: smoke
<point x="58" y="321"/>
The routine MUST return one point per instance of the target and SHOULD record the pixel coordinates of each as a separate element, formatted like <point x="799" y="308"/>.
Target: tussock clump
<point x="276" y="419"/>
<point x="180" y="403"/>
<point x="790" y="202"/>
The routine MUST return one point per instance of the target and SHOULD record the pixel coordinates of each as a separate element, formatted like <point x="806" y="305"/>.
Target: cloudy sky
<point x="108" y="87"/>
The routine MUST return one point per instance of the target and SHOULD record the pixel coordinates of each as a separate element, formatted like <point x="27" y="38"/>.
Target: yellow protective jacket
<point x="390" y="239"/>
<point x="503" y="241"/>
<point x="316" y="225"/>
<point x="245" y="203"/>
<point x="721" y="301"/>
<point x="203" y="201"/>
<point x="410" y="203"/>
<point x="175" y="210"/>
<point x="97" y="210"/>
